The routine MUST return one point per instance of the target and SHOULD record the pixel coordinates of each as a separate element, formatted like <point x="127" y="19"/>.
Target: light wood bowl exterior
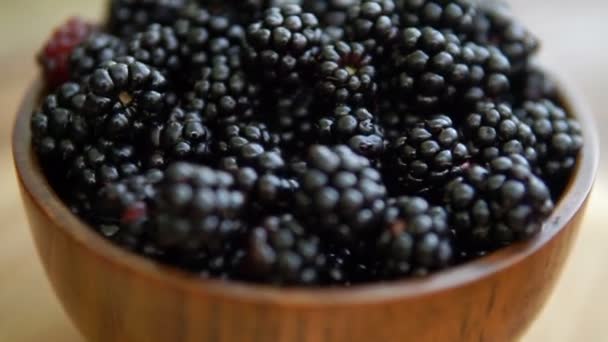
<point x="113" y="295"/>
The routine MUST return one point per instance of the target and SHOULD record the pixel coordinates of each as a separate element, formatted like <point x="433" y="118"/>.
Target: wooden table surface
<point x="573" y="34"/>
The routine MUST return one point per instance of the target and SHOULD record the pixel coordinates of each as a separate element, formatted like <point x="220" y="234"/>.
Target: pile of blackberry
<point x="305" y="142"/>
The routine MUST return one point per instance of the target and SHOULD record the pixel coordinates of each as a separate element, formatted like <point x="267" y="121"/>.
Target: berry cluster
<point x="304" y="142"/>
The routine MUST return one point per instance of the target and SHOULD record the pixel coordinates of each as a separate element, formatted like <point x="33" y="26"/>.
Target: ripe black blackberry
<point x="340" y="193"/>
<point x="127" y="17"/>
<point x="249" y="144"/>
<point x="127" y="88"/>
<point x="493" y="206"/>
<point x="282" y="45"/>
<point x="416" y="238"/>
<point x="355" y="127"/>
<point x="59" y="127"/>
<point x="94" y="51"/>
<point x="495" y="24"/>
<point x="558" y="138"/>
<point x="345" y="74"/>
<point x="455" y="15"/>
<point x="159" y="47"/>
<point x="432" y="69"/>
<point x="204" y="35"/>
<point x="101" y="163"/>
<point x="121" y="210"/>
<point x="493" y="130"/>
<point x="426" y="155"/>
<point x="282" y="252"/>
<point x="224" y="93"/>
<point x="375" y="23"/>
<point x="196" y="210"/>
<point x="183" y="137"/>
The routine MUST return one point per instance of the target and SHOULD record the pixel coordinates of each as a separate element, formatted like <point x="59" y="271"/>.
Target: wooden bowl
<point x="113" y="295"/>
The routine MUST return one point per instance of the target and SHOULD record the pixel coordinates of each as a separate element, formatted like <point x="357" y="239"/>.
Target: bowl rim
<point x="34" y="185"/>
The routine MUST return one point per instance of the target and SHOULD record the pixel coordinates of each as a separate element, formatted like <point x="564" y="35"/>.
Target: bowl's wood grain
<point x="112" y="295"/>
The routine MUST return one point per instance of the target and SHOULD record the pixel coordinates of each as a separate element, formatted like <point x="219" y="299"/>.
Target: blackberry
<point x="416" y="238"/>
<point x="345" y="74"/>
<point x="224" y="93"/>
<point x="123" y="93"/>
<point x="127" y="17"/>
<point x="375" y="23"/>
<point x="55" y="55"/>
<point x="493" y="130"/>
<point x="159" y="47"/>
<point x="558" y="138"/>
<point x="428" y="154"/>
<point x="196" y="210"/>
<point x="282" y="45"/>
<point x="58" y="127"/>
<point x="281" y="251"/>
<point x="249" y="144"/>
<point x="330" y="12"/>
<point x="496" y="25"/>
<point x="433" y="69"/>
<point x="184" y="137"/>
<point x="355" y="127"/>
<point x="455" y="15"/>
<point x="101" y="163"/>
<point x="121" y="209"/>
<point x="340" y="193"/>
<point x="204" y="35"/>
<point x="94" y="51"/>
<point x="493" y="206"/>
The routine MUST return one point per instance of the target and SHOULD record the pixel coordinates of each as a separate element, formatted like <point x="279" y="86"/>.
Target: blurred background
<point x="574" y="44"/>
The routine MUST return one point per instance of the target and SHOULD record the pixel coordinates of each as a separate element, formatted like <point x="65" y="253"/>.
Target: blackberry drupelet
<point x="196" y="210"/>
<point x="281" y="47"/>
<point x="493" y="130"/>
<point x="558" y="138"/>
<point x="346" y="74"/>
<point x="455" y="15"/>
<point x="428" y="154"/>
<point x="59" y="127"/>
<point x="94" y="51"/>
<point x="159" y="47"/>
<point x="127" y="17"/>
<point x="101" y="163"/>
<point x="493" y="206"/>
<point x="355" y="127"/>
<point x="224" y="93"/>
<point x="55" y="55"/>
<point x="121" y="210"/>
<point x="282" y="252"/>
<point x="375" y="23"/>
<point x="122" y="95"/>
<point x="433" y="69"/>
<point x="416" y="238"/>
<point x="340" y="193"/>
<point x="183" y="137"/>
<point x="496" y="25"/>
<point x="204" y="35"/>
